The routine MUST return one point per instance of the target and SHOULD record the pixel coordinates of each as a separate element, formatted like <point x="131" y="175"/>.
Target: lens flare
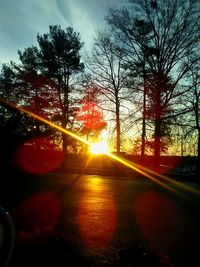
<point x="161" y="180"/>
<point x="37" y="155"/>
<point x="40" y="211"/>
<point x="159" y="219"/>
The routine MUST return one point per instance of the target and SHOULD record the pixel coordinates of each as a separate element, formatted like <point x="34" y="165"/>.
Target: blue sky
<point x="22" y="20"/>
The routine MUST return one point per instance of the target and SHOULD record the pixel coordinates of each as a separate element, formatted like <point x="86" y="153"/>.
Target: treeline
<point x="143" y="71"/>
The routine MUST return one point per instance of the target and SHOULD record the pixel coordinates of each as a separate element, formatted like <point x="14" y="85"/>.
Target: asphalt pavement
<point x="97" y="214"/>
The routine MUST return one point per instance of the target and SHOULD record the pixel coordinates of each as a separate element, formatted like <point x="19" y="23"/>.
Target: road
<point x="97" y="213"/>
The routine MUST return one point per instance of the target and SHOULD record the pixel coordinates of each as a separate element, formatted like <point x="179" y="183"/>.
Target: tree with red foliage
<point x="90" y="114"/>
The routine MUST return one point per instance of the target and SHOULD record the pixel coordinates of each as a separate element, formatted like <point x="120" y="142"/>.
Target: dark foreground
<point x="64" y="219"/>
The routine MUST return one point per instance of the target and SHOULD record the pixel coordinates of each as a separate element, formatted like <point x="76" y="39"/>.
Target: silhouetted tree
<point x="45" y="78"/>
<point x="15" y="126"/>
<point x="8" y="83"/>
<point x="59" y="54"/>
<point x="189" y="121"/>
<point x="35" y="89"/>
<point x="107" y="71"/>
<point x="170" y="50"/>
<point x="139" y="68"/>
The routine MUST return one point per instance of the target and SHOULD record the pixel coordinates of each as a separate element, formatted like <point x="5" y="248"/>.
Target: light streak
<point x="150" y="174"/>
<point x="139" y="170"/>
<point x="40" y="118"/>
<point x="175" y="183"/>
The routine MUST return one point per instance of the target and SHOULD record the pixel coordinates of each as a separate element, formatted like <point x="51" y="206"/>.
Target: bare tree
<point x="170" y="49"/>
<point x="106" y="66"/>
<point x="190" y="121"/>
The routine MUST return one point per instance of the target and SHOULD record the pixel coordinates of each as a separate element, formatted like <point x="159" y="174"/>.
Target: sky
<point x="22" y="20"/>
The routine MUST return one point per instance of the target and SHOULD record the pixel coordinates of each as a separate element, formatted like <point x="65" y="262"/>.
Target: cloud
<point x="84" y="16"/>
<point x="22" y="20"/>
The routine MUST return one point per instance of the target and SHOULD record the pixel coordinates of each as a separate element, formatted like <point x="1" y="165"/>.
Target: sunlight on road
<point x="97" y="214"/>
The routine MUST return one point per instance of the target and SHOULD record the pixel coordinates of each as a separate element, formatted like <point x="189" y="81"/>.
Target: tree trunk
<point x="143" y="120"/>
<point x="64" y="137"/>
<point x="198" y="156"/>
<point x="196" y="111"/>
<point x="157" y="144"/>
<point x="65" y="111"/>
<point x="118" y="131"/>
<point x="38" y="112"/>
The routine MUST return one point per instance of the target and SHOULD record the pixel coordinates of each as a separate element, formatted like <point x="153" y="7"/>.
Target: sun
<point x="99" y="148"/>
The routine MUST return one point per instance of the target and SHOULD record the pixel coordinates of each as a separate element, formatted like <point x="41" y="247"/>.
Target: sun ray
<point x="40" y="118"/>
<point x="150" y="174"/>
<point x="137" y="169"/>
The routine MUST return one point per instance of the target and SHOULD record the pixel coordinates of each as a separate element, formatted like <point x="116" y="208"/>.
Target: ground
<point x="94" y="220"/>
